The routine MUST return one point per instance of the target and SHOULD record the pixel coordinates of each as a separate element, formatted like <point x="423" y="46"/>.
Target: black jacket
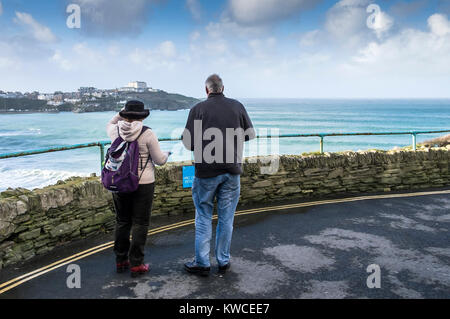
<point x="218" y="115"/>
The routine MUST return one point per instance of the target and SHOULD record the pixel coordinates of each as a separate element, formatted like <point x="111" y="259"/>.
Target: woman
<point x="133" y="210"/>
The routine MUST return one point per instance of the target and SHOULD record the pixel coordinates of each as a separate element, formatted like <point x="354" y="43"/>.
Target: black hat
<point x="134" y="110"/>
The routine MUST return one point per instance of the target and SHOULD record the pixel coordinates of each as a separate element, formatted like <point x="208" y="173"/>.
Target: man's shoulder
<point x="225" y="100"/>
<point x="233" y="101"/>
<point x="199" y="105"/>
<point x="235" y="104"/>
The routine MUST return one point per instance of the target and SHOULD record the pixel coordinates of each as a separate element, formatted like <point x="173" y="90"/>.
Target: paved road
<point x="311" y="252"/>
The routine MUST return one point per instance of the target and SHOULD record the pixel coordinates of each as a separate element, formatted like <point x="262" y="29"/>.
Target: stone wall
<point x="35" y="222"/>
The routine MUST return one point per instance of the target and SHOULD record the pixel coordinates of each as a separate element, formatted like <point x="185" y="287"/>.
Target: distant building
<point x="86" y="90"/>
<point x="12" y="95"/>
<point x="45" y="97"/>
<point x="98" y="94"/>
<point x="137" y="85"/>
<point x="73" y="101"/>
<point x="58" y="96"/>
<point x="127" y="89"/>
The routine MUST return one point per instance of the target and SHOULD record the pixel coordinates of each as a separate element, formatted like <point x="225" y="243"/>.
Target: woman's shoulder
<point x="148" y="134"/>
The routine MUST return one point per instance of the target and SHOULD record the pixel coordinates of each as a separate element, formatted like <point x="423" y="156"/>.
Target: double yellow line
<point x="4" y="287"/>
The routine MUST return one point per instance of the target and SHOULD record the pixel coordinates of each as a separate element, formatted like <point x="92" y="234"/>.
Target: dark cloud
<point x="257" y="12"/>
<point x="108" y="18"/>
<point x="404" y="8"/>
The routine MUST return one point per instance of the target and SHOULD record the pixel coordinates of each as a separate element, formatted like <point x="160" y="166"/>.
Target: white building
<point x="73" y="101"/>
<point x="45" y="97"/>
<point x="137" y="85"/>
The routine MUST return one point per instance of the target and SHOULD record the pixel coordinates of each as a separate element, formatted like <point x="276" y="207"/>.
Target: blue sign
<point x="188" y="176"/>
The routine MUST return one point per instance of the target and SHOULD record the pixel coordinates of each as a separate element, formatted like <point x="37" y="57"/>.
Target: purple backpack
<point x="120" y="173"/>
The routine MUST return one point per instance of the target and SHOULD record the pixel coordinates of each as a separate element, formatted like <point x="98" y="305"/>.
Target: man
<point x="216" y="131"/>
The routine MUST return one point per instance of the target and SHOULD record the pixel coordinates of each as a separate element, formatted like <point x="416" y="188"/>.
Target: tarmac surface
<point x="319" y="251"/>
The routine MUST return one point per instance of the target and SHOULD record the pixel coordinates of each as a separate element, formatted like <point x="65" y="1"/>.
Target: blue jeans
<point x="227" y="189"/>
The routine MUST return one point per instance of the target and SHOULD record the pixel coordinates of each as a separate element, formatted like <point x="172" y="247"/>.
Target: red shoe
<point x="139" y="270"/>
<point x="121" y="267"/>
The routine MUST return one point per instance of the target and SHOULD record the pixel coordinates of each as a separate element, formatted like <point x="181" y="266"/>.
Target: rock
<point x="89" y="230"/>
<point x="338" y="172"/>
<point x="54" y="198"/>
<point x="9" y="193"/>
<point x="30" y="234"/>
<point x="28" y="255"/>
<point x="11" y="257"/>
<point x="23" y="247"/>
<point x="254" y="193"/>
<point x="65" y="229"/>
<point x="97" y="219"/>
<point x="6" y="229"/>
<point x="41" y="243"/>
<point x="262" y="184"/>
<point x="5" y="245"/>
<point x="43" y="250"/>
<point x="314" y="171"/>
<point x="289" y="190"/>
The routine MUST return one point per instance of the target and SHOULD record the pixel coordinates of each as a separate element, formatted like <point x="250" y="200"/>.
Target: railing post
<point x="414" y="141"/>
<point x="102" y="156"/>
<point x="321" y="144"/>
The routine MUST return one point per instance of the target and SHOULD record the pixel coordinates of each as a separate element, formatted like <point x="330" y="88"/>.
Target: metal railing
<point x="103" y="144"/>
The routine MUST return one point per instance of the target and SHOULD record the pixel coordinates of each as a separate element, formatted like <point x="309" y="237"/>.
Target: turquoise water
<point x="20" y="132"/>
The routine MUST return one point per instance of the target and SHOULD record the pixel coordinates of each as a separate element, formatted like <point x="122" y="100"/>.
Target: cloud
<point x="439" y="25"/>
<point x="261" y="12"/>
<point x="63" y="63"/>
<point x="262" y="48"/>
<point x="194" y="36"/>
<point x="39" y="32"/>
<point x="355" y="22"/>
<point x="113" y="17"/>
<point x="346" y="20"/>
<point x="195" y="9"/>
<point x="226" y="27"/>
<point x="379" y="21"/>
<point x="411" y="52"/>
<point x="1" y="8"/>
<point x="164" y="55"/>
<point x="310" y="38"/>
<point x="403" y="8"/>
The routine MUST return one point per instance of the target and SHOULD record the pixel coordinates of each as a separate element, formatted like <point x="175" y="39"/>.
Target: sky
<point x="261" y="48"/>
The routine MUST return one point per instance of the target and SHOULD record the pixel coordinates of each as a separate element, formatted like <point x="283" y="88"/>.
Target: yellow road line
<point x="41" y="271"/>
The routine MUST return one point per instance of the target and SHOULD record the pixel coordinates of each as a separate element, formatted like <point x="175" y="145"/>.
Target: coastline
<point x="57" y="112"/>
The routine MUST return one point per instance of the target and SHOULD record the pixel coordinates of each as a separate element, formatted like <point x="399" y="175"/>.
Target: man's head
<point x="214" y="84"/>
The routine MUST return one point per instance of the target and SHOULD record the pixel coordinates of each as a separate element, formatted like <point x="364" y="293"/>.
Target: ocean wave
<point x="33" y="178"/>
<point x="30" y="131"/>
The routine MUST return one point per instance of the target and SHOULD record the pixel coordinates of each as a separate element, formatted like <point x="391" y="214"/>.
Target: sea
<point x="22" y="132"/>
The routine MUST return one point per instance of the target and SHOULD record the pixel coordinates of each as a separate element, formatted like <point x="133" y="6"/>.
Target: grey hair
<point x="214" y="84"/>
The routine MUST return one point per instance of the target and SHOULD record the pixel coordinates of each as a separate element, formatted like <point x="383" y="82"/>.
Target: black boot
<point x="224" y="269"/>
<point x="192" y="268"/>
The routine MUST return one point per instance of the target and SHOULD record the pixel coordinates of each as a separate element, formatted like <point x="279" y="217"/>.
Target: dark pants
<point x="133" y="213"/>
